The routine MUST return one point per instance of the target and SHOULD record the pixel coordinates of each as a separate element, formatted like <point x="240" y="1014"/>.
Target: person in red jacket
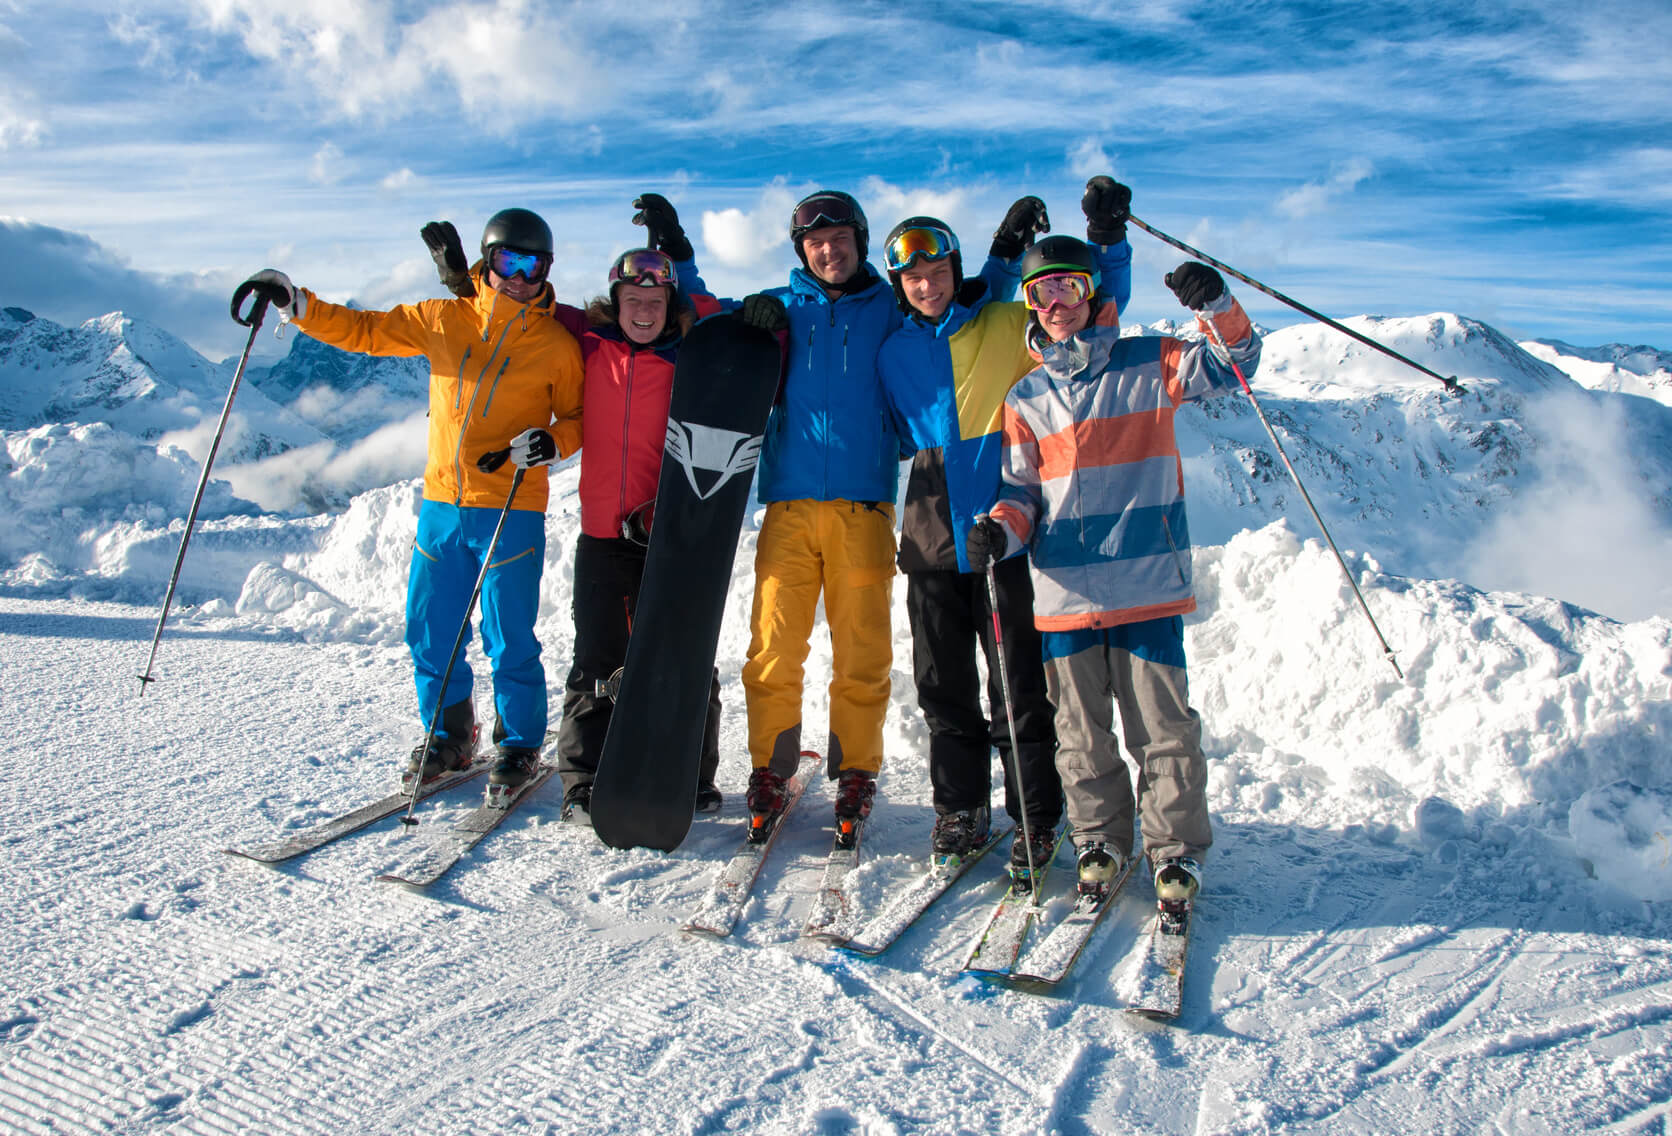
<point x="629" y="339"/>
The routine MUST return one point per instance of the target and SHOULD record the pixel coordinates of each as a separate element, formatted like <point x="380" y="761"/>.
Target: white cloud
<point x="402" y="178"/>
<point x="326" y="167"/>
<point x="745" y="239"/>
<point x="1312" y="198"/>
<point x="18" y="128"/>
<point x="1593" y="506"/>
<point x="1087" y="159"/>
<point x="370" y="57"/>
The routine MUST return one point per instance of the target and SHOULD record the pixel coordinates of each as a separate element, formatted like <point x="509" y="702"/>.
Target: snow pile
<point x="75" y="495"/>
<point x="1512" y="705"/>
<point x="1625" y="831"/>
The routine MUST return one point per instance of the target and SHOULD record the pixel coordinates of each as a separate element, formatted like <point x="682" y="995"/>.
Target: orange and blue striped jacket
<point x="1093" y="485"/>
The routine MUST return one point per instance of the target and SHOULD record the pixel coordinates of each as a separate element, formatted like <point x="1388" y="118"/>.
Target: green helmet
<point x="1060" y="254"/>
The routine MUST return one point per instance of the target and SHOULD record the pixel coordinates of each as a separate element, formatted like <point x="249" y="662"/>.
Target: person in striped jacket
<point x="1093" y="489"/>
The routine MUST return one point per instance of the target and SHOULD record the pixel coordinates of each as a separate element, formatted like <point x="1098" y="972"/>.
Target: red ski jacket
<point x="624" y="417"/>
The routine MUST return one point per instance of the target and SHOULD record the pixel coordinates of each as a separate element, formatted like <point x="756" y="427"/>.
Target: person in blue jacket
<point x="945" y="374"/>
<point x="829" y="473"/>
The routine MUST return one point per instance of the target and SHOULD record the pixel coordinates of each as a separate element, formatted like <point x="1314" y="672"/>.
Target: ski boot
<point x="1098" y="866"/>
<point x="957" y="834"/>
<point x="766" y="801"/>
<point x="577" y="805"/>
<point x="510" y="773"/>
<point x="1031" y="853"/>
<point x="453" y="746"/>
<point x="1177" y="880"/>
<point x="855" y="789"/>
<point x="709" y="798"/>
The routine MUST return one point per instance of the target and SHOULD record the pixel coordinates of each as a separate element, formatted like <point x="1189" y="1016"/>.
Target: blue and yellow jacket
<point x="945" y="385"/>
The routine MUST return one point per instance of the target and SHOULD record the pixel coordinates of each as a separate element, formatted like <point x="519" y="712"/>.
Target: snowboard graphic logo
<point x="722" y="454"/>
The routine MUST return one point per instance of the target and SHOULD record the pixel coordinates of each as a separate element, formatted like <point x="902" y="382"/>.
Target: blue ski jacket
<point x="830" y="436"/>
<point x="945" y="384"/>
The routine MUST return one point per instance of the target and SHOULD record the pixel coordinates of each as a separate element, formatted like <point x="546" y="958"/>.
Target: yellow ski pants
<point x="844" y="549"/>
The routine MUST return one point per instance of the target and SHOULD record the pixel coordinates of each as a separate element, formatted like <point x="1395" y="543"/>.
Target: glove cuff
<point x="1005" y="246"/>
<point x="1099" y="234"/>
<point x="678" y="246"/>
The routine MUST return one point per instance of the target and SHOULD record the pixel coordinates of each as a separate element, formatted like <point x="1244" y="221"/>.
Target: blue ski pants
<point x="446" y="559"/>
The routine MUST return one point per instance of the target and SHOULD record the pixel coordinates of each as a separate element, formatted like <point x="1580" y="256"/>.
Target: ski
<point x="1001" y="941"/>
<point x="339" y="826"/>
<point x="719" y="911"/>
<point x="1049" y="962"/>
<point x="915" y="898"/>
<point x="450" y="848"/>
<point x="831" y="920"/>
<point x="1155" y="986"/>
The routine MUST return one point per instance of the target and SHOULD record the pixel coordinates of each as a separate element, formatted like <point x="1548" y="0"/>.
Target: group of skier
<point x="1031" y="427"/>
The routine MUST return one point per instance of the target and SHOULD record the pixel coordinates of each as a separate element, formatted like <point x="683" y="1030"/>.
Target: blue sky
<point x="1510" y="162"/>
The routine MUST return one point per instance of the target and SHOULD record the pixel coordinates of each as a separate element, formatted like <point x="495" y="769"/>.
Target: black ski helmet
<point x="520" y="229"/>
<point x="823" y="209"/>
<point x="957" y="257"/>
<point x="1060" y="254"/>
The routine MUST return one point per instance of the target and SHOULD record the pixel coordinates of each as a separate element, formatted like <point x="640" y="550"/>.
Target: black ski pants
<point x="950" y="615"/>
<point x="608" y="573"/>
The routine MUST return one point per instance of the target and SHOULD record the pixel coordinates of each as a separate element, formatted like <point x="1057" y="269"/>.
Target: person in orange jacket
<point x="503" y="375"/>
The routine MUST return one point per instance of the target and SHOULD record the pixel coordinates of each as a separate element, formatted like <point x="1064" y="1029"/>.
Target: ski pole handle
<point x="264" y="294"/>
<point x="493" y="459"/>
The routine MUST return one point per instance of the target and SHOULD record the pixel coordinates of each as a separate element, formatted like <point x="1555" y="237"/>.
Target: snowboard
<point x="724" y="381"/>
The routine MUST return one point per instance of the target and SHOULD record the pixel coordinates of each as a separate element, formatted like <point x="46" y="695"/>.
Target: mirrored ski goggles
<point x="531" y="266"/>
<point x="823" y="211"/>
<point x="916" y="244"/>
<point x="644" y="267"/>
<point x="1070" y="289"/>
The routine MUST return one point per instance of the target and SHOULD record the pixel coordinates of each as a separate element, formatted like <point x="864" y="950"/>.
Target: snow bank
<point x="1625" y="831"/>
<point x="1512" y="704"/>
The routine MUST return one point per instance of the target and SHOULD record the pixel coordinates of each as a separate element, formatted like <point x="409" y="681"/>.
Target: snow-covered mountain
<point x="1612" y="367"/>
<point x="136" y="378"/>
<point x="1435" y="904"/>
<point x="345" y="396"/>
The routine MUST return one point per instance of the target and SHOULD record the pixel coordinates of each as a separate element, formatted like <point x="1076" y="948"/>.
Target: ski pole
<point x="1010" y="721"/>
<point x="1387" y="651"/>
<point x="487" y="463"/>
<point x="1451" y="383"/>
<point x="263" y="297"/>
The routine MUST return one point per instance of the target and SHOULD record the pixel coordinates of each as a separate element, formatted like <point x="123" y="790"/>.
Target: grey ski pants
<point x="1139" y="669"/>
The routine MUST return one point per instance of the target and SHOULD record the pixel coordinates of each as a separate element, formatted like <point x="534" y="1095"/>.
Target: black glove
<point x="533" y="447"/>
<point x="1107" y="205"/>
<point x="1196" y="285"/>
<point x="985" y="544"/>
<point x="1022" y="222"/>
<point x="765" y="312"/>
<point x="657" y="215"/>
<point x="275" y="287"/>
<point x="448" y="253"/>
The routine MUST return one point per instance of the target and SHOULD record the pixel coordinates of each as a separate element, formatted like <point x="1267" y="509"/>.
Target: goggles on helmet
<point x="916" y="244"/>
<point x="1070" y="289"/>
<point x="823" y="211"/>
<point x="645" y="267"/>
<point x="508" y="262"/>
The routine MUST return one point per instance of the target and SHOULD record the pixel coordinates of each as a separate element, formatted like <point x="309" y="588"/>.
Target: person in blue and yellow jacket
<point x="503" y="375"/>
<point x="945" y="373"/>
